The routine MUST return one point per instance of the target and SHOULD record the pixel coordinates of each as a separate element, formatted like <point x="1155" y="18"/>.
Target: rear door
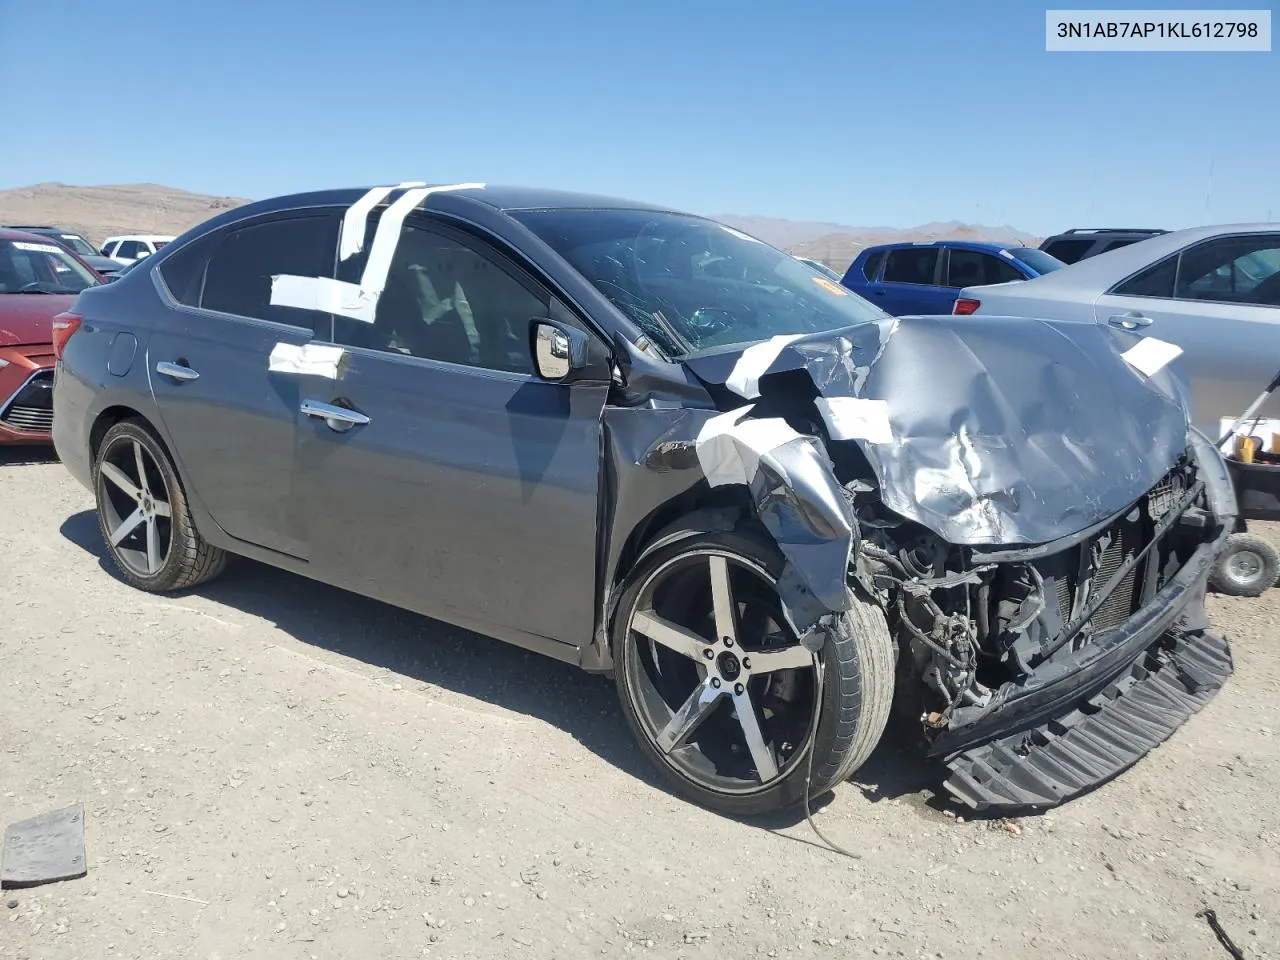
<point x="468" y="487"/>
<point x="230" y="420"/>
<point x="911" y="282"/>
<point x="1220" y="301"/>
<point x="972" y="268"/>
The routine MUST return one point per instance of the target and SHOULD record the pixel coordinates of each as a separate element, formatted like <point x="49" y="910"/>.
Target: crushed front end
<point x="1041" y="672"/>
<point x="1027" y="502"/>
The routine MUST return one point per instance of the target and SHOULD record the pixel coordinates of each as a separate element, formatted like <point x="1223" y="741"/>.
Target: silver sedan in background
<point x="1213" y="291"/>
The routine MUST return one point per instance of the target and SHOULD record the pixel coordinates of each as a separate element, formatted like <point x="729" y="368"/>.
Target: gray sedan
<point x="1213" y="291"/>
<point x="655" y="447"/>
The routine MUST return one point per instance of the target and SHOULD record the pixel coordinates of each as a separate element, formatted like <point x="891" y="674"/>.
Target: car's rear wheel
<point x="720" y="693"/>
<point x="143" y="514"/>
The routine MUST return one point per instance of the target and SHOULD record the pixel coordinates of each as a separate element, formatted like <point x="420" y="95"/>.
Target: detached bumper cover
<point x="1103" y="709"/>
<point x="1067" y="756"/>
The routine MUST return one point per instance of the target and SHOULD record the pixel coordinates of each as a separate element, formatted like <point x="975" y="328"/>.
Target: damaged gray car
<point x="653" y="446"/>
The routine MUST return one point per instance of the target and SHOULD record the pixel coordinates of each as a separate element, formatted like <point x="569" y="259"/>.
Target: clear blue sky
<point x="862" y="113"/>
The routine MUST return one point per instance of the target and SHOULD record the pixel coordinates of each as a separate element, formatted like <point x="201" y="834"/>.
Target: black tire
<point x="1247" y="567"/>
<point x="188" y="559"/>
<point x="856" y="695"/>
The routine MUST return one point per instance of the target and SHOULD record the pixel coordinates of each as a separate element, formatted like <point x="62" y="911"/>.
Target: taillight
<point x="963" y="306"/>
<point x="64" y="325"/>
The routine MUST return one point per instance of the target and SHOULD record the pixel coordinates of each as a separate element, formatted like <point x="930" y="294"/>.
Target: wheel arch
<point x="697" y="510"/>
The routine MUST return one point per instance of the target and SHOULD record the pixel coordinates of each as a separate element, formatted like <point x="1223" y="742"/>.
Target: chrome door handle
<point x="1130" y="321"/>
<point x="339" y="418"/>
<point x="176" y="371"/>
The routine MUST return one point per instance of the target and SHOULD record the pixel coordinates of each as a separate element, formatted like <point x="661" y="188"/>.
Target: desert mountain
<point x="100" y="212"/>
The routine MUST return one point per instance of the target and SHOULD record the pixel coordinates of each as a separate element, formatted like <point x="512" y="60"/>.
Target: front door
<point x="467" y="487"/>
<point x="231" y="422"/>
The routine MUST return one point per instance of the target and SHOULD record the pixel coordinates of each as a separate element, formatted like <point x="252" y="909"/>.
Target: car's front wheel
<point x="143" y="514"/>
<point x="720" y="693"/>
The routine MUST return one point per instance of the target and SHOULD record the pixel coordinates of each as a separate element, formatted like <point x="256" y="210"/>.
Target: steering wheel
<point x="33" y="285"/>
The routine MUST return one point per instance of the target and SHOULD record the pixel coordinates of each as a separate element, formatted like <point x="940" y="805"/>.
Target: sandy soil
<point x="273" y="768"/>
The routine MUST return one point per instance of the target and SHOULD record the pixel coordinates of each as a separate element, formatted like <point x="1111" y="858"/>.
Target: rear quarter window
<point x="871" y="267"/>
<point x="237" y="279"/>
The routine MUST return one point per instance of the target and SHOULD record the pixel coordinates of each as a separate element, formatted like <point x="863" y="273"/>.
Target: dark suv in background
<point x="1081" y="243"/>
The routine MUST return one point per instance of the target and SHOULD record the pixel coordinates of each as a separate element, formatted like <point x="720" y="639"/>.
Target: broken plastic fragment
<point x="856" y="418"/>
<point x="308" y="359"/>
<point x="1149" y="356"/>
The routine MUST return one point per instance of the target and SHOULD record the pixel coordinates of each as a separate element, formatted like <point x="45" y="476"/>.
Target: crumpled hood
<point x="1001" y="431"/>
<point x="27" y="318"/>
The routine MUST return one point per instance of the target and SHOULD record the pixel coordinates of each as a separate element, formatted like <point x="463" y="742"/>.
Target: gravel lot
<point x="274" y="768"/>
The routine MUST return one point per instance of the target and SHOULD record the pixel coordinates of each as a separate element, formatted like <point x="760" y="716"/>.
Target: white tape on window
<point x="358" y="301"/>
<point x="308" y="359"/>
<point x="729" y="448"/>
<point x="36" y="247"/>
<point x="744" y="379"/>
<point x="1149" y="356"/>
<point x="356" y="218"/>
<point x="856" y="418"/>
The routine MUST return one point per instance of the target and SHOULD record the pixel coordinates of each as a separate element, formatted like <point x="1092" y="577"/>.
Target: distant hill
<point x="100" y="212"/>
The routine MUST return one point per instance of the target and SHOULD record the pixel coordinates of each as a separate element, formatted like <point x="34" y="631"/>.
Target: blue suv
<point x="914" y="278"/>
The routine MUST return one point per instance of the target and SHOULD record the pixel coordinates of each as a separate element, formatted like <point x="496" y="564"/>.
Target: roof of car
<point x="140" y="236"/>
<point x="1101" y="272"/>
<point x="982" y="246"/>
<point x="493" y="195"/>
<point x="10" y="233"/>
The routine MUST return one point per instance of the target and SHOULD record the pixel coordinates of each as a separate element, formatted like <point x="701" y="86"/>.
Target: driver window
<point x="446" y="300"/>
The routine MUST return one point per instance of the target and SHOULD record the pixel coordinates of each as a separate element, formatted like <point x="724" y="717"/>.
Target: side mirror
<point x="562" y="353"/>
<point x="143" y="253"/>
<point x="558" y="351"/>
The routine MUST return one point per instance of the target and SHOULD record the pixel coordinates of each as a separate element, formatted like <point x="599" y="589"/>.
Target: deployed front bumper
<point x="1084" y="717"/>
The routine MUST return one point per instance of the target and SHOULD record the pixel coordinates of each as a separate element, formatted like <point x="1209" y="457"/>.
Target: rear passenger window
<point x="448" y="299"/>
<point x="238" y="278"/>
<point x="970" y="268"/>
<point x="872" y="266"/>
<point x="911" y="265"/>
<point x="1155" y="281"/>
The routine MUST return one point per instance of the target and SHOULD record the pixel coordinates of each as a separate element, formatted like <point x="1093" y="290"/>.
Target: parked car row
<point x="647" y="444"/>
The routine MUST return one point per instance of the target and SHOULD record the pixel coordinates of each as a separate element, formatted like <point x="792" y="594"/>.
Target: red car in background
<point x="38" y="281"/>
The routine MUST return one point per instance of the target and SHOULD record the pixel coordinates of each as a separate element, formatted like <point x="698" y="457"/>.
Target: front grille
<point x="31" y="408"/>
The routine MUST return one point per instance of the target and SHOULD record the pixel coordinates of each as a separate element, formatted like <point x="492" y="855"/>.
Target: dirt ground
<point x="274" y="768"/>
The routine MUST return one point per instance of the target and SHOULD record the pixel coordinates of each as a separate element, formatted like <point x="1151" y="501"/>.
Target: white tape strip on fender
<point x="358" y="301"/>
<point x="856" y="418"/>
<point x="1149" y="356"/>
<point x="729" y="451"/>
<point x="356" y="218"/>
<point x="307" y="359"/>
<point x="744" y="379"/>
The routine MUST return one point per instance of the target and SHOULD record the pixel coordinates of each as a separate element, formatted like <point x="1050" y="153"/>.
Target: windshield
<point x="1037" y="260"/>
<point x="692" y="284"/>
<point x="28" y="267"/>
<point x="77" y="244"/>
